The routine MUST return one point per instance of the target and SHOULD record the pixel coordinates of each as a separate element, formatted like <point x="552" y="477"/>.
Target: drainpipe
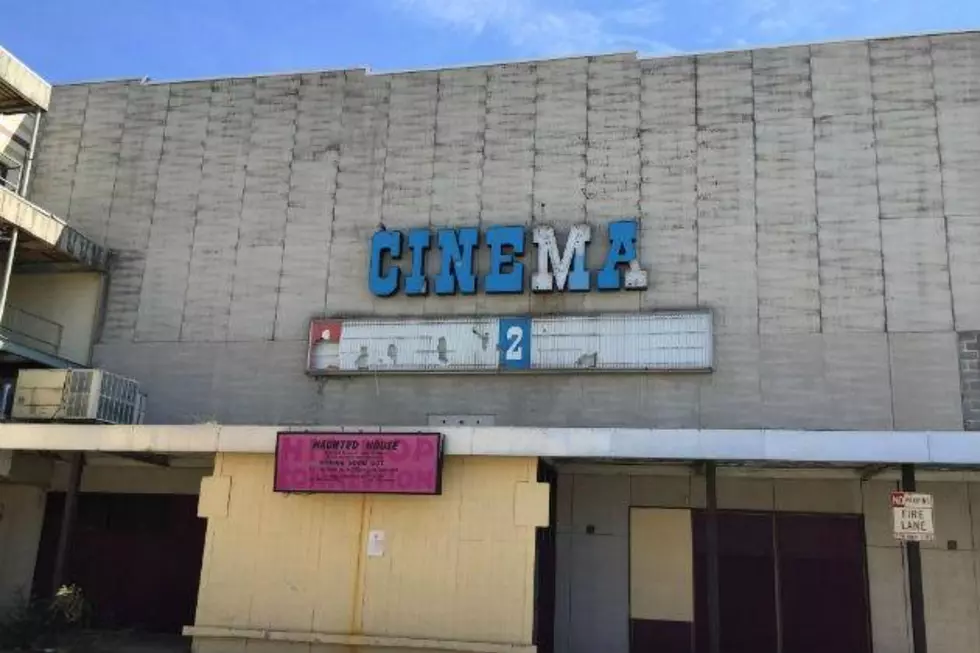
<point x="25" y="176"/>
<point x="70" y="511"/>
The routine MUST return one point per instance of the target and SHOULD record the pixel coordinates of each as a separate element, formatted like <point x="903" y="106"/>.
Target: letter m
<point x="564" y="270"/>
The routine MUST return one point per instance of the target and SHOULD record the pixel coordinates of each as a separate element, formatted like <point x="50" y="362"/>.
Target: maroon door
<point x="136" y="557"/>
<point x="788" y="583"/>
<point x="822" y="584"/>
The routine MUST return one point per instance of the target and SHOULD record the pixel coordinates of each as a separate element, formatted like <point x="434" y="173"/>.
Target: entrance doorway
<point x="788" y="582"/>
<point x="136" y="558"/>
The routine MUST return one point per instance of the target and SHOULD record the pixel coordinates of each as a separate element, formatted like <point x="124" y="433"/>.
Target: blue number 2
<point x="514" y="343"/>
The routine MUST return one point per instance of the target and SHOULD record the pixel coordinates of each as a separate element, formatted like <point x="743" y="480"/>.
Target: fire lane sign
<point x="912" y="517"/>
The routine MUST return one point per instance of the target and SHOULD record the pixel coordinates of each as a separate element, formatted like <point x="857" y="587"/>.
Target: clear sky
<point x="80" y="40"/>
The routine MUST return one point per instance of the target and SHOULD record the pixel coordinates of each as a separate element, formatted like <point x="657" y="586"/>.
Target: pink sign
<point x="376" y="463"/>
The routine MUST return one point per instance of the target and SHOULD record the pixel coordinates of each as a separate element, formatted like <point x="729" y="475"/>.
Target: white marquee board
<point x="664" y="341"/>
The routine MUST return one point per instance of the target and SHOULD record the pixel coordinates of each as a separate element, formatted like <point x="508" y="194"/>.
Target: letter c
<point x="381" y="283"/>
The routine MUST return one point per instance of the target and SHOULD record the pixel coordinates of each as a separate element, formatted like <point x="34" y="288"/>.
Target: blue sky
<point x="75" y="40"/>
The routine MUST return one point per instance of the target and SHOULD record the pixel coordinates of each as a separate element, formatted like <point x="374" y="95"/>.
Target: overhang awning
<point x="21" y="89"/>
<point x="940" y="449"/>
<point x="46" y="239"/>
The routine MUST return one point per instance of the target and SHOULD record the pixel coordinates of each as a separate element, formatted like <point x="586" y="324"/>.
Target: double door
<point x="788" y="583"/>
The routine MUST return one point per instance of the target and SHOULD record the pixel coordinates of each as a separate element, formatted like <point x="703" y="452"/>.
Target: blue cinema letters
<point x="557" y="268"/>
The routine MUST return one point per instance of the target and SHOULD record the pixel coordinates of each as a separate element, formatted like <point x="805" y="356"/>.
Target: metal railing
<point x="31" y="330"/>
<point x="10" y="171"/>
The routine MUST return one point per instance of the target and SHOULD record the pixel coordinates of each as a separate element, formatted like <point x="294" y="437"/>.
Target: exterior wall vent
<point x="78" y="395"/>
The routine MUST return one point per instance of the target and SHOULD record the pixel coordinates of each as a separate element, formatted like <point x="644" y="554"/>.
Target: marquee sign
<point x="662" y="341"/>
<point x="456" y="251"/>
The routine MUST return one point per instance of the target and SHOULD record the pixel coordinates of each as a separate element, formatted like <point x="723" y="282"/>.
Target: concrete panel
<point x="612" y="157"/>
<point x="168" y="254"/>
<point x="851" y="276"/>
<point x="508" y="160"/>
<point x="661" y="491"/>
<point x="814" y="381"/>
<point x="950" y="588"/>
<point x="901" y="74"/>
<point x="841" y="78"/>
<point x="857" y="377"/>
<point x="732" y="396"/>
<point x="357" y="208"/>
<point x="408" y="170"/>
<point x="925" y="381"/>
<point x="955" y="60"/>
<point x="736" y="493"/>
<point x="460" y="134"/>
<point x="792" y="380"/>
<point x="668" y="192"/>
<point x="265" y="205"/>
<point x="959" y="148"/>
<point x="131" y="211"/>
<point x="787" y="257"/>
<point x="561" y="126"/>
<point x="952" y="516"/>
<point x="964" y="269"/>
<point x="909" y="178"/>
<point x="917" y="291"/>
<point x="98" y="159"/>
<point x="207" y="306"/>
<point x="612" y="188"/>
<point x="599" y="594"/>
<point x="835" y="496"/>
<point x="602" y="502"/>
<point x="726" y="192"/>
<point x="888" y="601"/>
<point x="177" y="379"/>
<point x="60" y="139"/>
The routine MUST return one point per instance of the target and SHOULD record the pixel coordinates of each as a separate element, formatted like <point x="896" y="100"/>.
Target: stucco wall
<point x="456" y="567"/>
<point x="821" y="200"/>
<point x="593" y="569"/>
<point x="68" y="299"/>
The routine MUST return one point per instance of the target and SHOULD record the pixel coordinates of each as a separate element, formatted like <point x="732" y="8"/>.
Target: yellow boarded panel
<point x="213" y="501"/>
<point x="661" y="565"/>
<point x="453" y="567"/>
<point x="533" y="503"/>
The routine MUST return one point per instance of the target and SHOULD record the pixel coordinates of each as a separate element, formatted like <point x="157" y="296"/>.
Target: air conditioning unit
<point x="78" y="395"/>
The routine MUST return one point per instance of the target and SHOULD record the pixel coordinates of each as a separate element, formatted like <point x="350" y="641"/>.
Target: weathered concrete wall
<point x="821" y="200"/>
<point x="592" y="604"/>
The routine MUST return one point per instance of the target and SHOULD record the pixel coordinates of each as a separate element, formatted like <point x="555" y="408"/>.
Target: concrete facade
<point x="820" y="200"/>
<point x="593" y="594"/>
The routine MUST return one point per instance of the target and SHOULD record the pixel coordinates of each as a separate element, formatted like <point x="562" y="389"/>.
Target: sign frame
<point x="500" y="341"/>
<point x="440" y="443"/>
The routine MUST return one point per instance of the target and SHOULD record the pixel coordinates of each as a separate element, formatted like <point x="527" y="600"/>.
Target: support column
<point x="8" y="269"/>
<point x="67" y="520"/>
<point x="711" y="540"/>
<point x="914" y="557"/>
